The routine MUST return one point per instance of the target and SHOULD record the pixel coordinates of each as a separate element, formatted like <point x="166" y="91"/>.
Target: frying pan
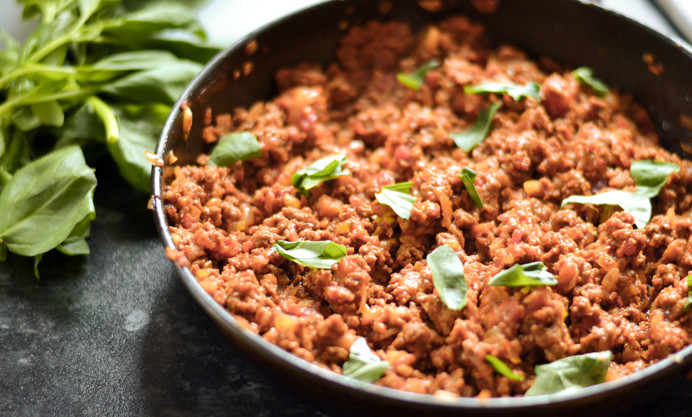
<point x="619" y="50"/>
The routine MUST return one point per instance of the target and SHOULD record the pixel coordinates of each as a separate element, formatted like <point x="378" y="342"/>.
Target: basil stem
<point x="476" y="134"/>
<point x="415" y="79"/>
<point x="398" y="198"/>
<point x="448" y="277"/>
<point x="570" y="373"/>
<point x="468" y="177"/>
<point x="363" y="364"/>
<point x="585" y="76"/>
<point x="318" y="172"/>
<point x="320" y="254"/>
<point x="533" y="274"/>
<point x="502" y="368"/>
<point x="517" y="92"/>
<point x="234" y="147"/>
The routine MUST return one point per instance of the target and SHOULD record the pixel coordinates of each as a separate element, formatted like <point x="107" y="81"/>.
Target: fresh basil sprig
<point x="318" y="172"/>
<point x="585" y="76"/>
<point x="533" y="274"/>
<point x="234" y="147"/>
<point x="448" y="277"/>
<point x="363" y="364"/>
<point x="570" y="373"/>
<point x="502" y="368"/>
<point x="688" y="302"/>
<point x="398" y="198"/>
<point x="468" y="177"/>
<point x="650" y="177"/>
<point x="98" y="74"/>
<point x="476" y="134"/>
<point x="517" y="92"/>
<point x="320" y="254"/>
<point x="48" y="202"/>
<point x="415" y="79"/>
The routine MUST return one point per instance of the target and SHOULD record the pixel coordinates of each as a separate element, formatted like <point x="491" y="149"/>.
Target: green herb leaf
<point x="533" y="274"/>
<point x="398" y="198"/>
<point x="49" y="113"/>
<point x="363" y="364"/>
<point x="415" y="79"/>
<point x="502" y="368"/>
<point x="468" y="177"/>
<point x="477" y="133"/>
<point x="321" y="254"/>
<point x="585" y="76"/>
<point x="45" y="200"/>
<point x="139" y="129"/>
<point x="570" y="373"/>
<point x="688" y="302"/>
<point x="158" y="85"/>
<point x="650" y="176"/>
<point x="517" y="92"/>
<point x="318" y="172"/>
<point x="637" y="205"/>
<point x="234" y="147"/>
<point x="448" y="277"/>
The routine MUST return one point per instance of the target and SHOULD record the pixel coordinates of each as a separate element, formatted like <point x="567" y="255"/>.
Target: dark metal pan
<point x="573" y="33"/>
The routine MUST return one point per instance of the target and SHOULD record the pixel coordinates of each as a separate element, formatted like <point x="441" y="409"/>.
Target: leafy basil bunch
<point x="95" y="77"/>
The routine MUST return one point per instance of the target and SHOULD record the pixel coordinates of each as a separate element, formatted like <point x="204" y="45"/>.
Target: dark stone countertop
<point x="116" y="334"/>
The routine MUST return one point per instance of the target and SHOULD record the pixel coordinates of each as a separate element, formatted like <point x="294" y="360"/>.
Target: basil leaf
<point x="363" y="364"/>
<point x="570" y="373"/>
<point x="533" y="274"/>
<point x="637" y="205"/>
<point x="49" y="113"/>
<point x="468" y="177"/>
<point x="318" y="172"/>
<point x="517" y="92"/>
<point x="398" y="198"/>
<point x="234" y="147"/>
<point x="139" y="129"/>
<point x="321" y="254"/>
<point x="585" y="76"/>
<point x="158" y="85"/>
<point x="688" y="302"/>
<point x="502" y="368"/>
<point x="415" y="79"/>
<point x="477" y="133"/>
<point x="448" y="277"/>
<point x="45" y="200"/>
<point x="650" y="176"/>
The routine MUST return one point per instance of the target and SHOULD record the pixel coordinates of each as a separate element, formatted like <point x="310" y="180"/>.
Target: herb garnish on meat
<point x="517" y="92"/>
<point x="318" y="172"/>
<point x="476" y="134"/>
<point x="448" y="277"/>
<point x="533" y="274"/>
<point x="650" y="177"/>
<point x="398" y="198"/>
<point x="468" y="177"/>
<point x="363" y="364"/>
<point x="415" y="79"/>
<point x="502" y="368"/>
<point x="320" y="254"/>
<point x="234" y="147"/>
<point x="585" y="76"/>
<point x="571" y="373"/>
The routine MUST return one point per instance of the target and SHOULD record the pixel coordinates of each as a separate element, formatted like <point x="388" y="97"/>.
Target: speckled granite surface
<point x="116" y="334"/>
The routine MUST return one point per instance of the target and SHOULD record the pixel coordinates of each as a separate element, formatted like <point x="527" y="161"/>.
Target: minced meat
<point x="620" y="288"/>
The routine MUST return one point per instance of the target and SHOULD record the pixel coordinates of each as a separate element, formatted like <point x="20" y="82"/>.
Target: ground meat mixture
<point x="620" y="288"/>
